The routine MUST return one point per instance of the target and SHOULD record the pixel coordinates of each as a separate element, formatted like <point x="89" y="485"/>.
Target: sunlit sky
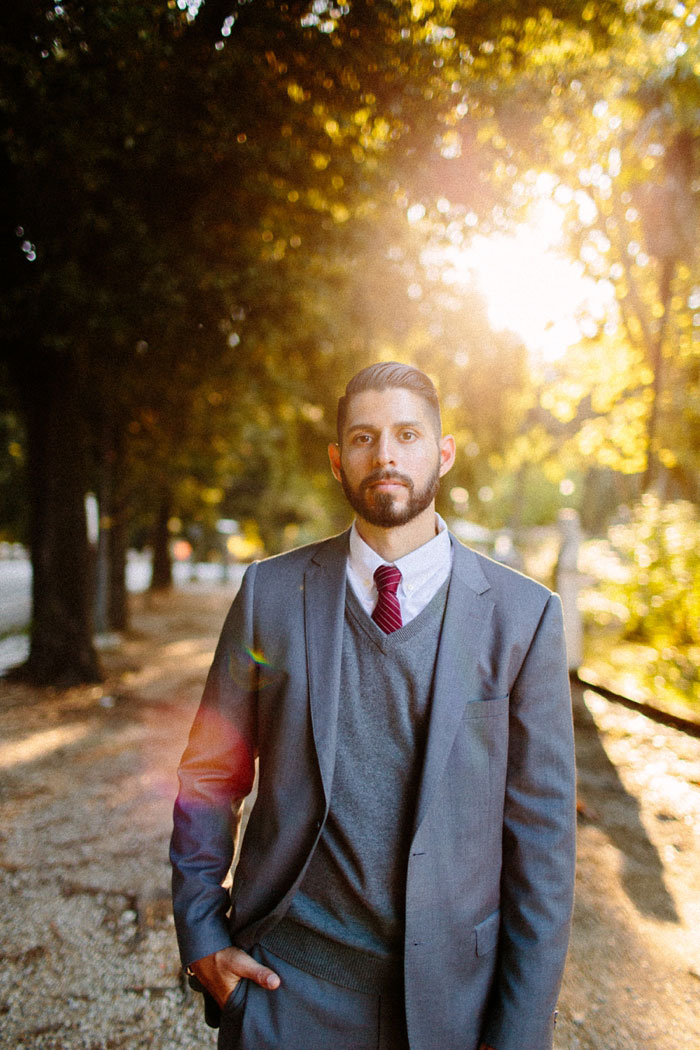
<point x="530" y="286"/>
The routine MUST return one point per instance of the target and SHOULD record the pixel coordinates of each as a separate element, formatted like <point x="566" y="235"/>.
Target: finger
<point x="244" y="965"/>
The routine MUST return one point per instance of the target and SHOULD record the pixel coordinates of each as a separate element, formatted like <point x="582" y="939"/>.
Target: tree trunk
<point x="118" y="606"/>
<point x="61" y="650"/>
<point x="654" y="474"/>
<point x="162" y="572"/>
<point x="103" y="566"/>
<point x="111" y="603"/>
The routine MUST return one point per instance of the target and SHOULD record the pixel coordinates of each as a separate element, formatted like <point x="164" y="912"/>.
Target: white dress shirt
<point x="423" y="571"/>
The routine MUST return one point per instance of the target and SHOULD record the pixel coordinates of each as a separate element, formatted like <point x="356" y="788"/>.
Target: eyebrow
<point x="416" y="424"/>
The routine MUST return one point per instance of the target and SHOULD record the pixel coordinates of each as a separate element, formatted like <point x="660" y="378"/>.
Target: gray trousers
<point x="309" y="1013"/>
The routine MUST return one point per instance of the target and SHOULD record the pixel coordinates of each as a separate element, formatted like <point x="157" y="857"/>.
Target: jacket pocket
<point x="489" y="707"/>
<point x="237" y="996"/>
<point x="486" y="933"/>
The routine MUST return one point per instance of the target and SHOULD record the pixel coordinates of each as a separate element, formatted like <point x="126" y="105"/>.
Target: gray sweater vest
<point x="353" y="891"/>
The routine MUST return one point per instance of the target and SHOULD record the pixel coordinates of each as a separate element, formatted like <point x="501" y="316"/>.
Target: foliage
<point x="218" y="211"/>
<point x="13" y="504"/>
<point x="622" y="157"/>
<point x="649" y="578"/>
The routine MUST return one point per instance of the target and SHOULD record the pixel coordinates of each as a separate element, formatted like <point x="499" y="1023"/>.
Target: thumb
<point x="244" y="965"/>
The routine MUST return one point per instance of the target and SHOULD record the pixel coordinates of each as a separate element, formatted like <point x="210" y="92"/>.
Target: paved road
<point x="16" y="600"/>
<point x="15" y="595"/>
<point x="16" y="584"/>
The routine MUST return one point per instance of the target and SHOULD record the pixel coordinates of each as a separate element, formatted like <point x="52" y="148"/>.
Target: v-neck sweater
<point x="353" y="890"/>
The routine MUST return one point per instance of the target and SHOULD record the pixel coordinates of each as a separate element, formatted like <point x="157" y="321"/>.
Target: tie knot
<point x="387" y="578"/>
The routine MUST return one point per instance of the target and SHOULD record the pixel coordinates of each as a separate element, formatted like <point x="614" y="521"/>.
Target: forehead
<point x="381" y="408"/>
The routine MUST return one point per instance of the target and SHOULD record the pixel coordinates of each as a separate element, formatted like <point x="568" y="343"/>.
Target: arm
<point x="216" y="773"/>
<point x="539" y="825"/>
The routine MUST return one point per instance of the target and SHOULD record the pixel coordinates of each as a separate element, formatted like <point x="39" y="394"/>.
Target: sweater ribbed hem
<point x="332" y="961"/>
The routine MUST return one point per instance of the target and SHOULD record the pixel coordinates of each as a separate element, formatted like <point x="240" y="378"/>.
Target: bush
<point x="652" y="583"/>
<point x="659" y="550"/>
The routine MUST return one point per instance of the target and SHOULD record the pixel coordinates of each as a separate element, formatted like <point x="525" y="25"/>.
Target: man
<point x="406" y="875"/>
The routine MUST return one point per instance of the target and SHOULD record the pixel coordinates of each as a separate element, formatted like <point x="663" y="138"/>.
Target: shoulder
<point x="519" y="608"/>
<point x="271" y="587"/>
<point x="295" y="562"/>
<point x="505" y="583"/>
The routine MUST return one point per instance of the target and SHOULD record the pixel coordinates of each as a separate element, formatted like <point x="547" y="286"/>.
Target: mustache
<point x="385" y="475"/>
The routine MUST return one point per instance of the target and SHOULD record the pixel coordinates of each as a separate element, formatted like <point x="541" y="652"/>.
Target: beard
<point x="381" y="508"/>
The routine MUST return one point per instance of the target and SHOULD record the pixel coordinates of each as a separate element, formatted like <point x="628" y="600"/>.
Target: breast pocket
<point x="486" y="933"/>
<point x="491" y="707"/>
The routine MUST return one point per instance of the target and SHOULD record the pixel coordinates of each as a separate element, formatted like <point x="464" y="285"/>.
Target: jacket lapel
<point x="324" y="614"/>
<point x="467" y="614"/>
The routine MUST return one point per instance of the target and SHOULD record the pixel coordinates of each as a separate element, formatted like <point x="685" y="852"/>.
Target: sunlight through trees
<point x="218" y="210"/>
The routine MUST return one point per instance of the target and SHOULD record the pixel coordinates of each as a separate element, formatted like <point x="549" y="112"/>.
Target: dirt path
<point x="87" y="781"/>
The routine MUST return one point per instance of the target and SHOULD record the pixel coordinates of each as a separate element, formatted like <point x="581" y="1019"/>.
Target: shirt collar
<point x="416" y="566"/>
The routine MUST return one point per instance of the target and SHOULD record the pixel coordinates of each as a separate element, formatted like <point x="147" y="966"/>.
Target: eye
<point x="362" y="439"/>
<point x="408" y="435"/>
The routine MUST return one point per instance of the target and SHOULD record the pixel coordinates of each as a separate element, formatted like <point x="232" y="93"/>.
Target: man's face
<point x="390" y="459"/>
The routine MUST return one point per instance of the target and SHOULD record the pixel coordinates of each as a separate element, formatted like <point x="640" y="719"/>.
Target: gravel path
<point x="87" y="781"/>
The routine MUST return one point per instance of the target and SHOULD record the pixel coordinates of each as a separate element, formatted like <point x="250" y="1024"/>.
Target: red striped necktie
<point x="387" y="611"/>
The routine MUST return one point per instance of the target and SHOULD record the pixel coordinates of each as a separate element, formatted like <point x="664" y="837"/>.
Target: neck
<point x="393" y="543"/>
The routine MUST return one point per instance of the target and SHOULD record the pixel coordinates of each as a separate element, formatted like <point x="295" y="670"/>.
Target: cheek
<point x="423" y="461"/>
<point x="356" y="462"/>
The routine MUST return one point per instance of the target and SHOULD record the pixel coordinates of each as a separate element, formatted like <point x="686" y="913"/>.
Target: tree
<point x="13" y="509"/>
<point x="621" y="152"/>
<point x="178" y="180"/>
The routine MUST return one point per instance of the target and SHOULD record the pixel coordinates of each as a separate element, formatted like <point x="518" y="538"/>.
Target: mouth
<point x="386" y="484"/>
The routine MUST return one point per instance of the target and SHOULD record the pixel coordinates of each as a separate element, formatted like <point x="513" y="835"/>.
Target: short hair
<point x="388" y="375"/>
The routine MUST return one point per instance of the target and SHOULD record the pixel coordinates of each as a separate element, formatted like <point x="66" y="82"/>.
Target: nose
<point x="384" y="452"/>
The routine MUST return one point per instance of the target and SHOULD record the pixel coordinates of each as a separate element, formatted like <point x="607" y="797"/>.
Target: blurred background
<point x="213" y="213"/>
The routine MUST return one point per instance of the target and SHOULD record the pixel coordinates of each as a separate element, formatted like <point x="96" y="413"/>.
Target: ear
<point x="334" y="456"/>
<point x="448" y="451"/>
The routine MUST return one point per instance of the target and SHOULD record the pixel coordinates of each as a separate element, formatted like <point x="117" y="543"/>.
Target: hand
<point x="221" y="972"/>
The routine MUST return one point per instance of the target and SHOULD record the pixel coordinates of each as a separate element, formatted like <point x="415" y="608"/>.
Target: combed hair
<point x="385" y="376"/>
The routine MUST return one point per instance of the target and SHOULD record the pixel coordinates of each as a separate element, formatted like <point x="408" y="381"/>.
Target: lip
<point x="387" y="485"/>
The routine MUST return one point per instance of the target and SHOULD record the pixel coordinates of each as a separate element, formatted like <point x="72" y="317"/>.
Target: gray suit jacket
<point x="489" y="881"/>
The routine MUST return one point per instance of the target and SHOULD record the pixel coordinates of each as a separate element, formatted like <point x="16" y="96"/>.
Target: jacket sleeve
<point x="216" y="772"/>
<point x="539" y="828"/>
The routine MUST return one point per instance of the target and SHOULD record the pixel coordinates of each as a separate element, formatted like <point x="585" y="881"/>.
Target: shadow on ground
<point x="604" y="799"/>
